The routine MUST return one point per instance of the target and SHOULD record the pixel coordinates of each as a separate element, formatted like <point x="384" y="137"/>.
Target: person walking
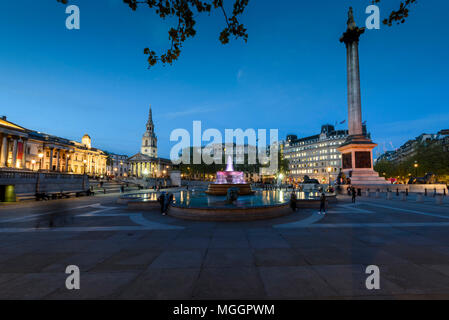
<point x="353" y="193"/>
<point x="323" y="203"/>
<point x="162" y="201"/>
<point x="293" y="201"/>
<point x="170" y="197"/>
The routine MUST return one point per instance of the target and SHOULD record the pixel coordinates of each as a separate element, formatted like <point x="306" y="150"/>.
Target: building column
<point x="14" y="153"/>
<point x="51" y="160"/>
<point x="67" y="162"/>
<point x="4" y="151"/>
<point x="58" y="158"/>
<point x="24" y="157"/>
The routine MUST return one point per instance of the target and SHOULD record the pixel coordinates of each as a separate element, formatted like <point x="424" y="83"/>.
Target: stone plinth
<point x="222" y="189"/>
<point x="357" y="162"/>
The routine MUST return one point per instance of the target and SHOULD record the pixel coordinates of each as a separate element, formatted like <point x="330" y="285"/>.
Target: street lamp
<point x="40" y="155"/>
<point x="416" y="168"/>
<point x="85" y="164"/>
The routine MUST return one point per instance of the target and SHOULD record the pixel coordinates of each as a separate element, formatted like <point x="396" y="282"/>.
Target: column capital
<point x="352" y="35"/>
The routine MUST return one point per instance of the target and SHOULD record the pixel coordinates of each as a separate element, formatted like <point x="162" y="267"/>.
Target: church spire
<point x="150" y="116"/>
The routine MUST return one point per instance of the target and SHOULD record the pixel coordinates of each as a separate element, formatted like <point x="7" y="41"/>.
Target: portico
<point x="13" y="140"/>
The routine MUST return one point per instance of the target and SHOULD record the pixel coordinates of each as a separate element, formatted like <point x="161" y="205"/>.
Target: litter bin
<point x="7" y="193"/>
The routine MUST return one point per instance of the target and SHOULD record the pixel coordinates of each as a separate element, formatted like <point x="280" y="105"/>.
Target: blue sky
<point x="291" y="74"/>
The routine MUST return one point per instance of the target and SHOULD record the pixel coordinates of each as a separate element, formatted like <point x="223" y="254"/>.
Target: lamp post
<point x="416" y="165"/>
<point x="85" y="164"/>
<point x="41" y="156"/>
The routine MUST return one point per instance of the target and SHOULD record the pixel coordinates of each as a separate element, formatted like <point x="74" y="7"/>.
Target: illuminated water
<point x="199" y="199"/>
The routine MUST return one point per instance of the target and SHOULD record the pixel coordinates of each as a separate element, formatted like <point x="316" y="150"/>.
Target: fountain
<point x="229" y="179"/>
<point x="229" y="198"/>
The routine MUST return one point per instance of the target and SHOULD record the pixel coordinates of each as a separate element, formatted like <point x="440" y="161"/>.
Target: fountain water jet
<point x="229" y="179"/>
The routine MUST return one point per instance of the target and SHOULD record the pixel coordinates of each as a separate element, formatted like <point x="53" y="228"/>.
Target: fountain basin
<point x="200" y="206"/>
<point x="221" y="189"/>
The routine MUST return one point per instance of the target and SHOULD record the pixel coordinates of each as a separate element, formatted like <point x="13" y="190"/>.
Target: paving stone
<point x="229" y="283"/>
<point x="31" y="262"/>
<point x="416" y="279"/>
<point x="267" y="241"/>
<point x="127" y="260"/>
<point x="164" y="284"/>
<point x="239" y="241"/>
<point x="228" y="258"/>
<point x="189" y="258"/>
<point x="96" y="286"/>
<point x="269" y="257"/>
<point x="350" y="281"/>
<point x="300" y="282"/>
<point x="32" y="286"/>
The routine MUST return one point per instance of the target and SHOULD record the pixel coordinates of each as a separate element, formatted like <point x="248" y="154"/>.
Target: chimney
<point x="4" y="118"/>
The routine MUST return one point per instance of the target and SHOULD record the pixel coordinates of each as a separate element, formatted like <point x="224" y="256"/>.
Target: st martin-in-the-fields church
<point x="149" y="140"/>
<point x="146" y="163"/>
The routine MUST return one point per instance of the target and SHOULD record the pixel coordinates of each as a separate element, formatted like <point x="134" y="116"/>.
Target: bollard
<point x="434" y="192"/>
<point x="397" y="191"/>
<point x="367" y="193"/>
<point x="406" y="192"/>
<point x="439" y="200"/>
<point x="419" y="198"/>
<point x="388" y="195"/>
<point x="444" y="192"/>
<point x="377" y="194"/>
<point x="425" y="192"/>
<point x="403" y="196"/>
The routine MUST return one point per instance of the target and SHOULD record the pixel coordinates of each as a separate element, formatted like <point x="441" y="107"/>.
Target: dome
<point x="87" y="141"/>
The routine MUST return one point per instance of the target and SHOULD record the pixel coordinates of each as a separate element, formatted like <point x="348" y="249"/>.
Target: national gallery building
<point x="26" y="149"/>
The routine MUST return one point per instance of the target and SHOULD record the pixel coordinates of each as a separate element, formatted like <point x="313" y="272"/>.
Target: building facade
<point x="26" y="149"/>
<point x="315" y="156"/>
<point x="410" y="148"/>
<point x="117" y="165"/>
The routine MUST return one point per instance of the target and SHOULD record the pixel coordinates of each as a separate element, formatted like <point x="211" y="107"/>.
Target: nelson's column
<point x="357" y="150"/>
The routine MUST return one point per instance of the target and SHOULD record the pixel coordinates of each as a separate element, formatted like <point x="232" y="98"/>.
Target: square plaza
<point x="132" y="254"/>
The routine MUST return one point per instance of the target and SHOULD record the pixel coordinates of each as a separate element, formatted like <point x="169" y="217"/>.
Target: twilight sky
<point x="291" y="74"/>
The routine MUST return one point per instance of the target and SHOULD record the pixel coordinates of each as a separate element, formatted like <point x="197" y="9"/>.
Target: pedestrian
<point x="171" y="197"/>
<point x="293" y="201"/>
<point x="323" y="203"/>
<point x="161" y="200"/>
<point x="353" y="194"/>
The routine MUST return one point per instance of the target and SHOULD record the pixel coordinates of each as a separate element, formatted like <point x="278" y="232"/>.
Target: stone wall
<point x="412" y="188"/>
<point x="31" y="182"/>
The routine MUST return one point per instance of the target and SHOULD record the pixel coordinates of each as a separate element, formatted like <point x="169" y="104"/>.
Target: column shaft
<point x="14" y="154"/>
<point x="4" y="152"/>
<point x="354" y="96"/>
<point x="51" y="160"/>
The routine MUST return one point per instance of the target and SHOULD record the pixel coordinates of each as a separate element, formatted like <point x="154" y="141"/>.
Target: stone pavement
<point x="134" y="255"/>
